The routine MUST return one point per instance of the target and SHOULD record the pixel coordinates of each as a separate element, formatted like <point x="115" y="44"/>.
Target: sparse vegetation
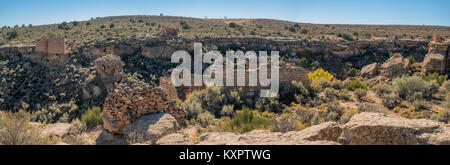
<point x="15" y="129"/>
<point x="247" y="120"/>
<point x="92" y="117"/>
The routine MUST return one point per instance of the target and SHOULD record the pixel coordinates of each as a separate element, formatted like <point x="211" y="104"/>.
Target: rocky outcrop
<point x="434" y="63"/>
<point x="363" y="129"/>
<point x="437" y="60"/>
<point x="394" y="67"/>
<point x="123" y="107"/>
<point x="174" y="139"/>
<point x="257" y="137"/>
<point x="106" y="138"/>
<point x="381" y="129"/>
<point x="152" y="127"/>
<point x="322" y="134"/>
<point x="369" y="71"/>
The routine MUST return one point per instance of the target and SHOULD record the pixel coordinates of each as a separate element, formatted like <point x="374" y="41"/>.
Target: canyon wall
<point x="335" y="56"/>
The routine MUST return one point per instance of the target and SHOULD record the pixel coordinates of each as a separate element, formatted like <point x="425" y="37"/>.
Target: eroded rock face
<point x="322" y="134"/>
<point x="153" y="127"/>
<point x="369" y="71"/>
<point x="109" y="68"/>
<point x="381" y="129"/>
<point x="394" y="66"/>
<point x="434" y="63"/>
<point x="123" y="107"/>
<point x="106" y="138"/>
<point x="257" y="137"/>
<point x="158" y="51"/>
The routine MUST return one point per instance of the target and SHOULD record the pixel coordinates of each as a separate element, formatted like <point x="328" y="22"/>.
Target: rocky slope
<point x="363" y="129"/>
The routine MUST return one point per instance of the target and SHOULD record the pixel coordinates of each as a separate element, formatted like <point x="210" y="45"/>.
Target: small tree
<point x="352" y="72"/>
<point x="12" y="35"/>
<point x="92" y="117"/>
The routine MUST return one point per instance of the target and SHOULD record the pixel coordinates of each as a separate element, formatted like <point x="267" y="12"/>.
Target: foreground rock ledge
<point x="362" y="129"/>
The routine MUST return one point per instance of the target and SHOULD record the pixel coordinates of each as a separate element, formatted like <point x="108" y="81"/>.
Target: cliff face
<point x="335" y="56"/>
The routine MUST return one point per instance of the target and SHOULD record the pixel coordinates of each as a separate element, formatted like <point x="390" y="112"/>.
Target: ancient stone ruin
<point x="109" y="69"/>
<point x="50" y="52"/>
<point x="122" y="107"/>
<point x="287" y="75"/>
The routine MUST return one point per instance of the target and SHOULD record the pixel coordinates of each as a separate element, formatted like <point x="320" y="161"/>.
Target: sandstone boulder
<point x="152" y="127"/>
<point x="57" y="129"/>
<point x="174" y="139"/>
<point x="369" y="71"/>
<point x="328" y="131"/>
<point x="106" y="138"/>
<point x="381" y="129"/>
<point x="123" y="107"/>
<point x="395" y="66"/>
<point x="256" y="137"/>
<point x="434" y="63"/>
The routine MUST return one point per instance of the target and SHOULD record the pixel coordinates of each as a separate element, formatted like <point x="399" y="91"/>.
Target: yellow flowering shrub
<point x="320" y="74"/>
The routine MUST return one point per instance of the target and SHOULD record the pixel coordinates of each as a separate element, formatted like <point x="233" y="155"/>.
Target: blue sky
<point x="414" y="12"/>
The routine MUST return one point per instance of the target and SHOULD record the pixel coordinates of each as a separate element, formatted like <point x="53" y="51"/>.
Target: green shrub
<point x="331" y="93"/>
<point x="284" y="123"/>
<point x="92" y="117"/>
<point x="412" y="60"/>
<point x="304" y="31"/>
<point x="334" y="111"/>
<point x="304" y="62"/>
<point x="390" y="100"/>
<point x="443" y="115"/>
<point x="440" y="79"/>
<point x="366" y="107"/>
<point x="355" y="84"/>
<point x="233" y="25"/>
<point x="269" y="104"/>
<point x="204" y="119"/>
<point x="296" y="89"/>
<point x="77" y="127"/>
<point x="348" y="114"/>
<point x="16" y="130"/>
<point x="211" y="99"/>
<point x="64" y="26"/>
<point x="360" y="93"/>
<point x="227" y="110"/>
<point x="247" y="120"/>
<point x="12" y="35"/>
<point x="184" y="25"/>
<point x="407" y="88"/>
<point x="352" y="72"/>
<point x="382" y="89"/>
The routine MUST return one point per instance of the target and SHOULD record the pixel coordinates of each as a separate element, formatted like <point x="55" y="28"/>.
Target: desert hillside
<point x="80" y="33"/>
